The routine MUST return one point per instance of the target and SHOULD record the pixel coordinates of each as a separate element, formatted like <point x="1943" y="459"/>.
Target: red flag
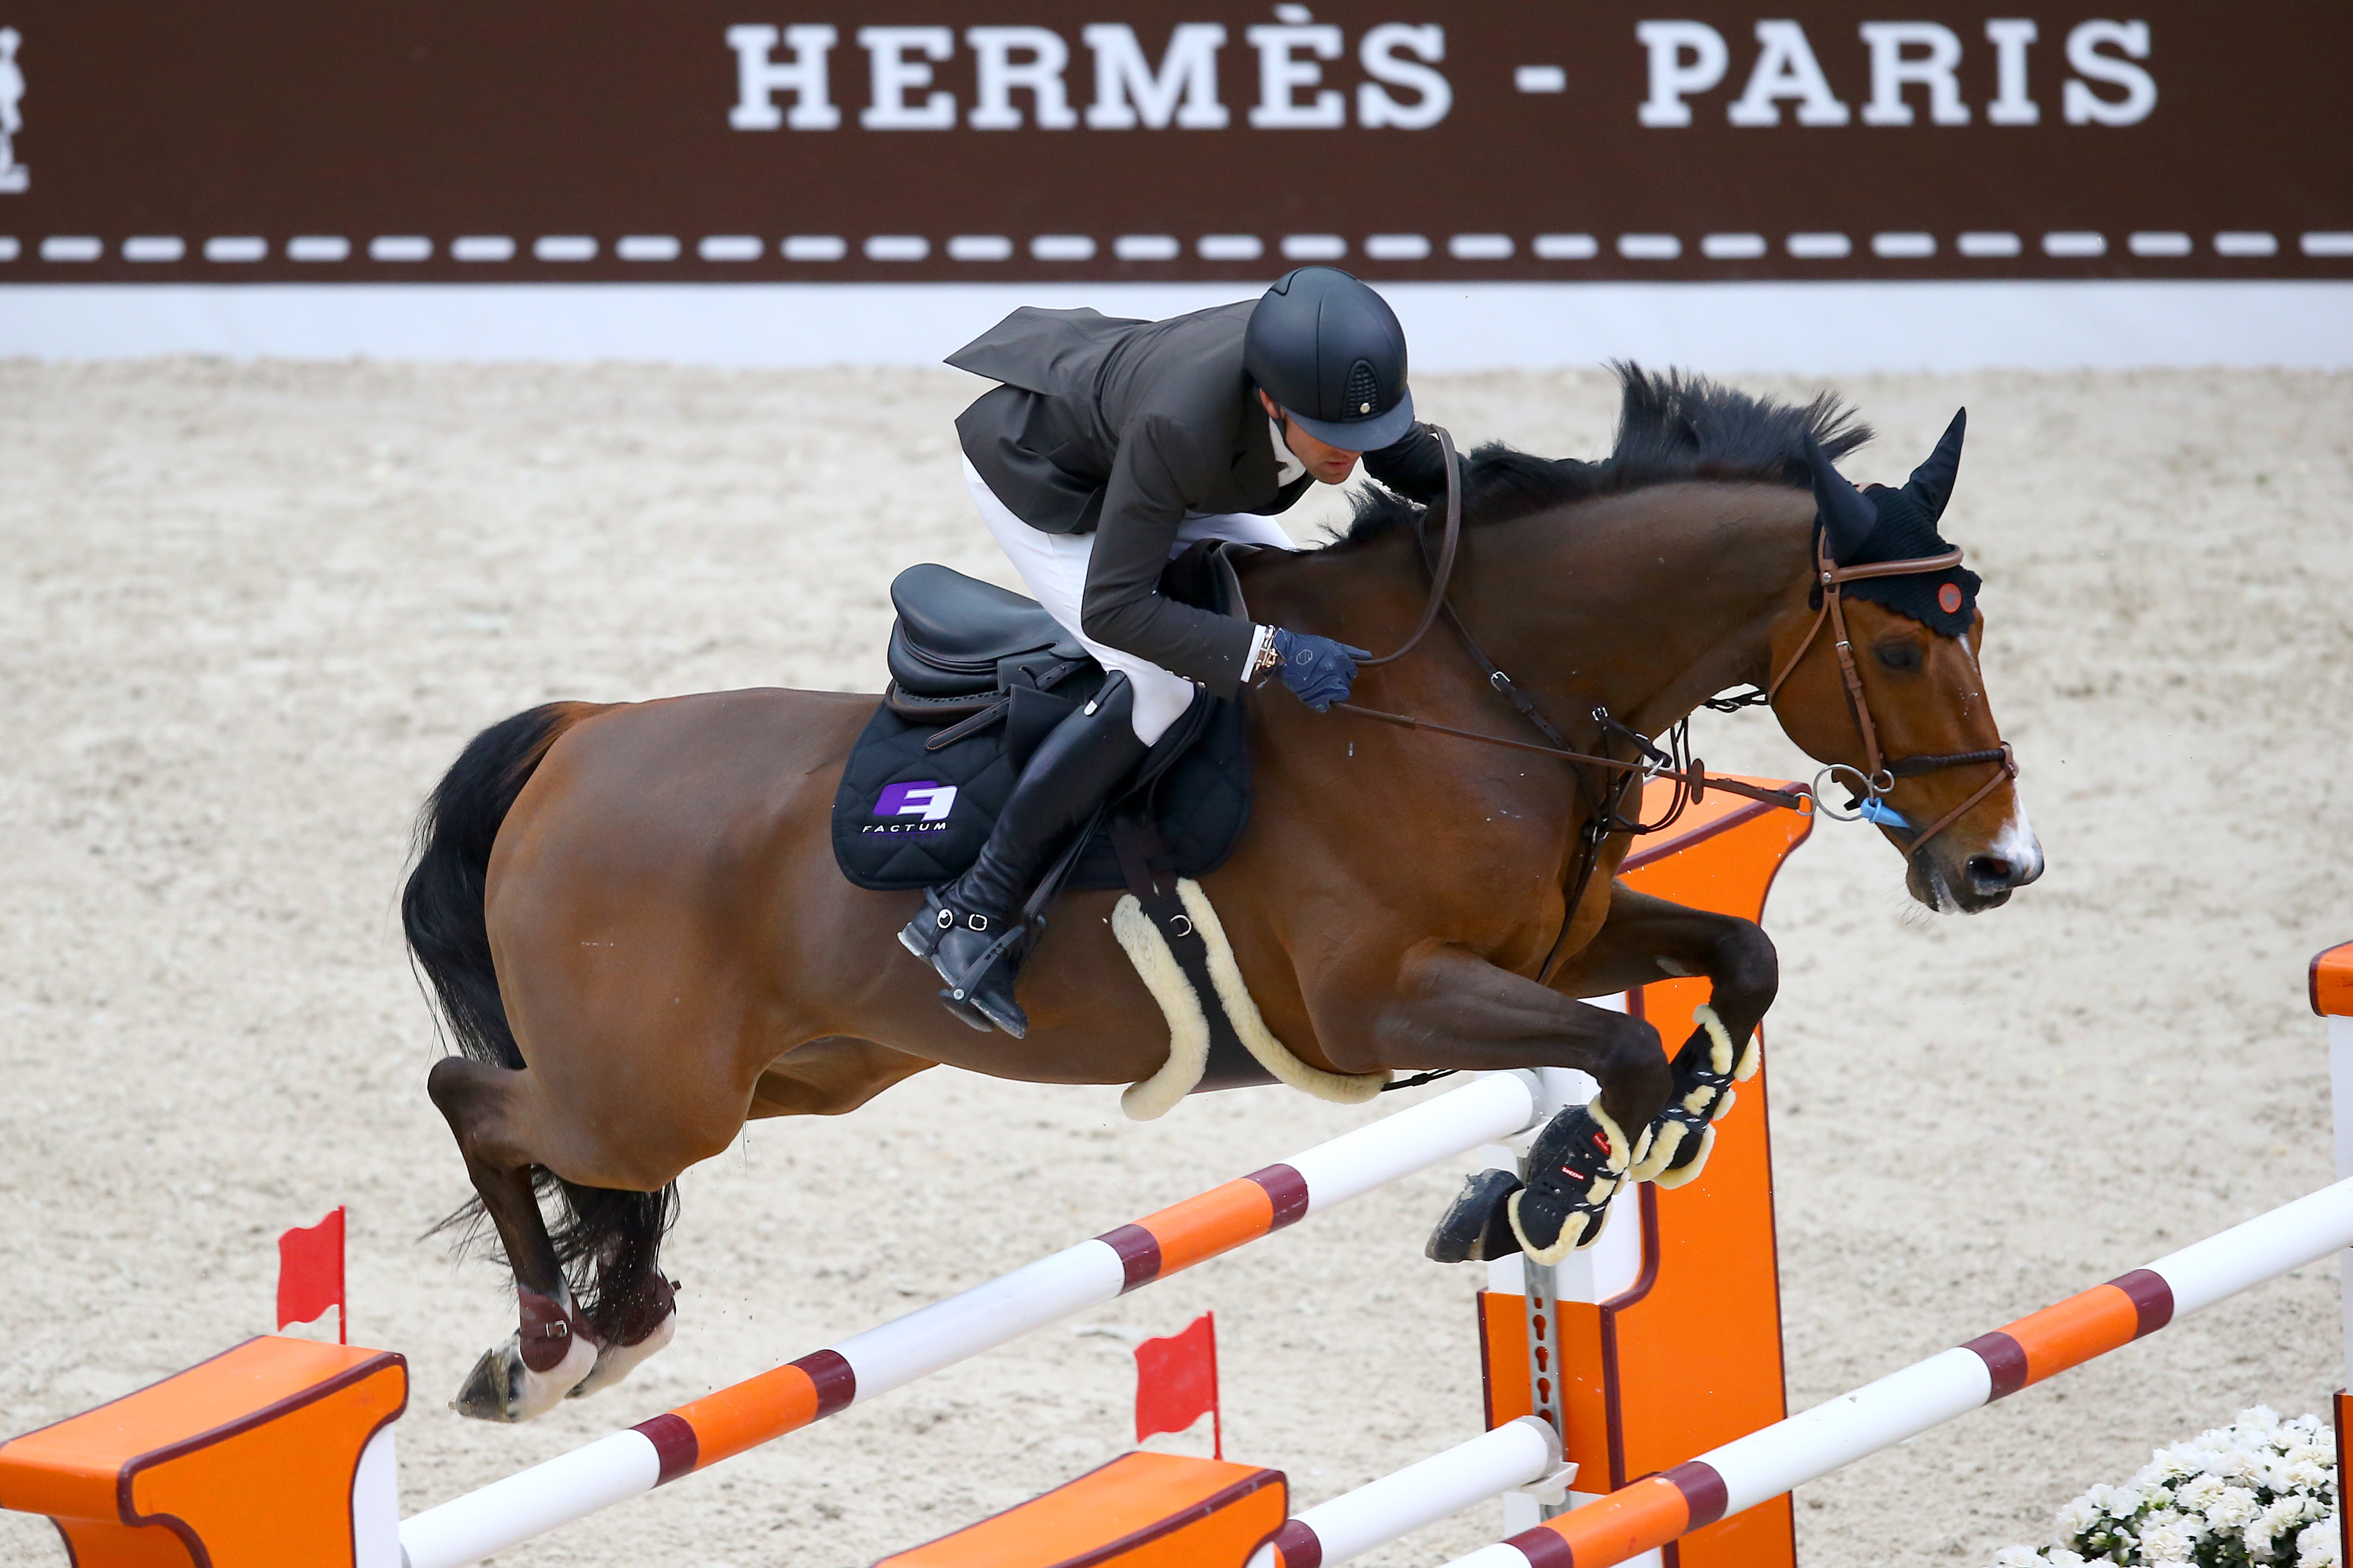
<point x="311" y="1274"/>
<point x="1177" y="1381"/>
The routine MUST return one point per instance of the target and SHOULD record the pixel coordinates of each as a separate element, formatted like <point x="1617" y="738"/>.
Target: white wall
<point x="1809" y="328"/>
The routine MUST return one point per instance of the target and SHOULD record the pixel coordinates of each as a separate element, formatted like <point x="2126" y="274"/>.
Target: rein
<point x="1606" y="813"/>
<point x="1690" y="776"/>
<point x="1443" y="572"/>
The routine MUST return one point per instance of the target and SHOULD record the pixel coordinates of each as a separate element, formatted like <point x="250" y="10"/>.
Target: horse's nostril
<point x="1992" y="873"/>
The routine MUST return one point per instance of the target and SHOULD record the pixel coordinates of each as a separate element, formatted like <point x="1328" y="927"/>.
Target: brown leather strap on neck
<point x="1443" y="572"/>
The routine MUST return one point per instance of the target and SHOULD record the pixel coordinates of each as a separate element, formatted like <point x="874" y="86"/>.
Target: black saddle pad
<point x="908" y="817"/>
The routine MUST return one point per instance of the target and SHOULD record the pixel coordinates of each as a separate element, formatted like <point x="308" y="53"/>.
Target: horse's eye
<point x="1902" y="655"/>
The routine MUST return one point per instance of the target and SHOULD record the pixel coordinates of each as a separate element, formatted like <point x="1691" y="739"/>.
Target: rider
<point x="1108" y="447"/>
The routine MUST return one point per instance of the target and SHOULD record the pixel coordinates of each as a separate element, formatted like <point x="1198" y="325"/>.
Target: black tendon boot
<point x="969" y="930"/>
<point x="1575" y="1167"/>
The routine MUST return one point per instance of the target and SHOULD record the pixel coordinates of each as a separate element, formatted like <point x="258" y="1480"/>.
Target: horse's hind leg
<point x="634" y="1312"/>
<point x="552" y="1351"/>
<point x="1647" y="938"/>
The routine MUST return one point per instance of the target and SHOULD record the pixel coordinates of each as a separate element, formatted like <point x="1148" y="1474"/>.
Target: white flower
<point x="2304" y="1475"/>
<point x="2285" y="1514"/>
<point x="2239" y="1494"/>
<point x="2199" y="1491"/>
<point x="2238" y="1465"/>
<point x="2078" y="1517"/>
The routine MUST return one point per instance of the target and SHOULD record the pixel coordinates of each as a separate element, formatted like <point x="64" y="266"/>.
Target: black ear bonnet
<point x="1883" y="524"/>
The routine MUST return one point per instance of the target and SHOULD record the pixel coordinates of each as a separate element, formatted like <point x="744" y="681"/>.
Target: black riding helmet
<point x="1330" y="352"/>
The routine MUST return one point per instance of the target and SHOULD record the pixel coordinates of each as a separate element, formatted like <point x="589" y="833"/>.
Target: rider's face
<point x="1330" y="464"/>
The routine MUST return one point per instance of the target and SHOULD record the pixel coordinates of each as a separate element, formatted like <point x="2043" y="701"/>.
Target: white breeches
<point x="1054" y="565"/>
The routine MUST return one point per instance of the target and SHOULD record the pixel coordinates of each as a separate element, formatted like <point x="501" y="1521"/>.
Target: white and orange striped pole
<point x="2330" y="980"/>
<point x="1746" y="1471"/>
<point x="719" y="1425"/>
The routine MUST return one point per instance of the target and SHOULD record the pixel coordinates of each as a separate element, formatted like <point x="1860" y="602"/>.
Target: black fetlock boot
<point x="1676" y="1148"/>
<point x="1576" y="1165"/>
<point x="970" y="930"/>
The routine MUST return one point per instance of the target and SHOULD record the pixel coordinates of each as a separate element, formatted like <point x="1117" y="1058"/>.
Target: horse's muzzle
<point x="1993" y="877"/>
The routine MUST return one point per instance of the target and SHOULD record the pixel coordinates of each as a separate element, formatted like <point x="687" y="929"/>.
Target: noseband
<point x="1878" y="775"/>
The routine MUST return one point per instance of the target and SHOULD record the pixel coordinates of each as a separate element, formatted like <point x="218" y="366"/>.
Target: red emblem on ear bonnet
<point x="1948" y="598"/>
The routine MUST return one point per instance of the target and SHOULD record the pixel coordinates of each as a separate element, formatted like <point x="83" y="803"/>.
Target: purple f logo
<point x="925" y="798"/>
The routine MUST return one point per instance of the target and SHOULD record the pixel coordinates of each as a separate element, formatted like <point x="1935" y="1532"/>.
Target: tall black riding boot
<point x="969" y="928"/>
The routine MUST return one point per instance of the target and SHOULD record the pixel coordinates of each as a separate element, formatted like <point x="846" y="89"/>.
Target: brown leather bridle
<point x="1691" y="779"/>
<point x="1878" y="775"/>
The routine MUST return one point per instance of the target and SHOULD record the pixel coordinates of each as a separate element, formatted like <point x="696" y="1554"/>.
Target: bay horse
<point x="632" y="919"/>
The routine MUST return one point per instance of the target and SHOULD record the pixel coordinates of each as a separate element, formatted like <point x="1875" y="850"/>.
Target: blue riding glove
<point x="1318" y="670"/>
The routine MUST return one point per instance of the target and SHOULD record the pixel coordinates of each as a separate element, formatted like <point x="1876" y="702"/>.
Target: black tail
<point x="607" y="1240"/>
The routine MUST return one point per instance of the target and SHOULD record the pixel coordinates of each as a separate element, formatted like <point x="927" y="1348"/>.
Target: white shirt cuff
<point x="1257" y="651"/>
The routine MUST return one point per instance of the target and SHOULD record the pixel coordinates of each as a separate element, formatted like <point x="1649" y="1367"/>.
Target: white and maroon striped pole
<point x="719" y="1425"/>
<point x="1518" y="1453"/>
<point x="1746" y="1471"/>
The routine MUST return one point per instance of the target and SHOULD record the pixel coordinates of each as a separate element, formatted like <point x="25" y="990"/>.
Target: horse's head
<point x="1877" y="675"/>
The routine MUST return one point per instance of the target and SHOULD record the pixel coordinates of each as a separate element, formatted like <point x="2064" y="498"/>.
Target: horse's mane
<point x="1673" y="425"/>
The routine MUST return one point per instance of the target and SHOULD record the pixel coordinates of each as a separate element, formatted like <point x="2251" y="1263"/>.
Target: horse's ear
<point x="1847" y="514"/>
<point x="1932" y="481"/>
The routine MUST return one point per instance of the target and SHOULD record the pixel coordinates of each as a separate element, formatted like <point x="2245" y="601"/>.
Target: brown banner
<point x="726" y="140"/>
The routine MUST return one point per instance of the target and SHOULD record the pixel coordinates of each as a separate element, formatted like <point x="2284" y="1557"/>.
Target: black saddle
<point x="978" y="676"/>
<point x="955" y="633"/>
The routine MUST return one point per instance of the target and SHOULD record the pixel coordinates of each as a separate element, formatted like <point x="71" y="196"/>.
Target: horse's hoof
<point x="1474" y="1229"/>
<point x="502" y="1388"/>
<point x="615" y="1362"/>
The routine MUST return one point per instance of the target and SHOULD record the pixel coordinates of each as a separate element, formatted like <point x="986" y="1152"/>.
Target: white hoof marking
<point x="615" y="1362"/>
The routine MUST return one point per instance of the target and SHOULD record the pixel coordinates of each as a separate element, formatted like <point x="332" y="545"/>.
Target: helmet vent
<point x="1363" y="392"/>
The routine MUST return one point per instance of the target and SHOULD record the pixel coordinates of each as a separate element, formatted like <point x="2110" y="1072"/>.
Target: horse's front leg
<point x="1646" y="938"/>
<point x="1451" y="1008"/>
